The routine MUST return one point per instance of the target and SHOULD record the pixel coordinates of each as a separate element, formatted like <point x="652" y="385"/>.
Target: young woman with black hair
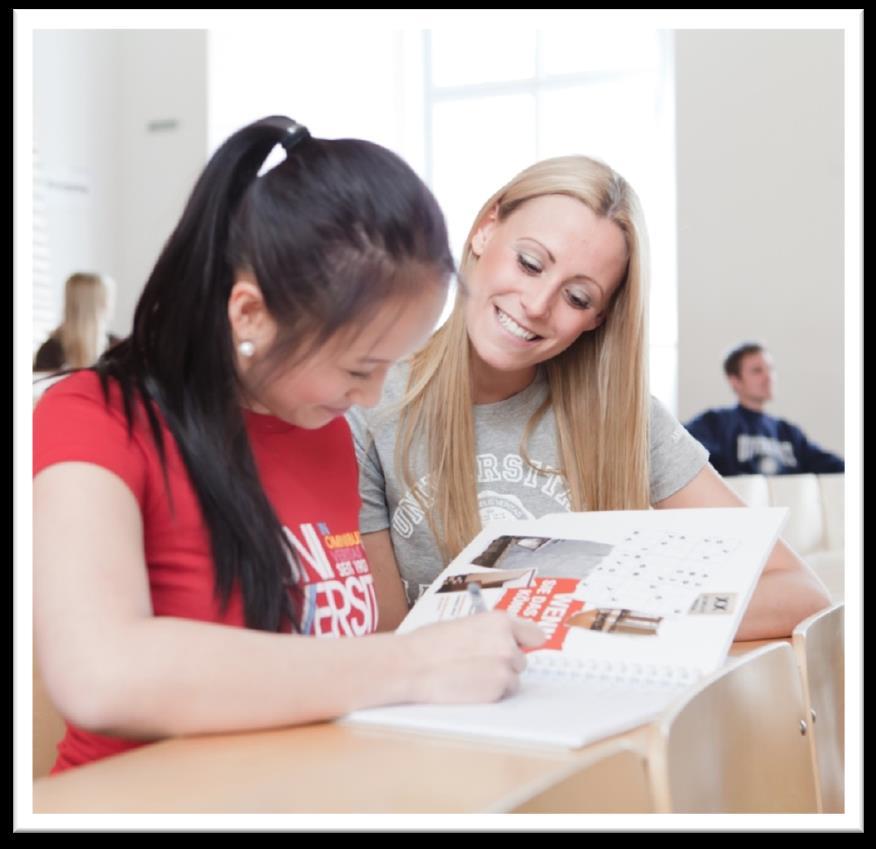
<point x="195" y="492"/>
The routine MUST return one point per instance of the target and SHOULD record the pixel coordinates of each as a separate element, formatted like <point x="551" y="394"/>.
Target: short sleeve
<point x="73" y="423"/>
<point x="676" y="457"/>
<point x="374" y="514"/>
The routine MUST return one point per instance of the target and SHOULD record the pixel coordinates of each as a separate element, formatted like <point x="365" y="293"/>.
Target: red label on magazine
<point x="549" y="602"/>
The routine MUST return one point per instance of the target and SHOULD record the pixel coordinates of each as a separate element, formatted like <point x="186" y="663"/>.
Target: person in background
<point x="83" y="336"/>
<point x="745" y="440"/>
<point x="533" y="397"/>
<point x="196" y="506"/>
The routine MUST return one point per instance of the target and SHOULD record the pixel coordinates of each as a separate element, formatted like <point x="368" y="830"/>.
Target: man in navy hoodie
<point x="744" y="440"/>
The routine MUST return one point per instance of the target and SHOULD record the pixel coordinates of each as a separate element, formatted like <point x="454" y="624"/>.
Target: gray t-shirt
<point x="508" y="487"/>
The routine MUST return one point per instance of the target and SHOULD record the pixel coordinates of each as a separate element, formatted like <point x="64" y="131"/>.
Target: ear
<point x="484" y="231"/>
<point x="247" y="314"/>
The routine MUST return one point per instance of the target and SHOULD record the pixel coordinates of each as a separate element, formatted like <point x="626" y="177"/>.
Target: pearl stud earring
<point x="246" y="348"/>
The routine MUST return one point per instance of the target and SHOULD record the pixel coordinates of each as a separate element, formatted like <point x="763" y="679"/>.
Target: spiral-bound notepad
<point x="568" y="707"/>
<point x="636" y="605"/>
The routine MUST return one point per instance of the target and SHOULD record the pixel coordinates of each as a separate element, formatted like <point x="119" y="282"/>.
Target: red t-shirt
<point x="310" y="477"/>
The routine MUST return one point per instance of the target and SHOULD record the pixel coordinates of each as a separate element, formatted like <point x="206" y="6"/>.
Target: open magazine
<point x="636" y="606"/>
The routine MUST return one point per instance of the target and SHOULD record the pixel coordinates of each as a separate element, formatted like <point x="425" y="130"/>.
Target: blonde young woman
<point x="83" y="336"/>
<point x="533" y="397"/>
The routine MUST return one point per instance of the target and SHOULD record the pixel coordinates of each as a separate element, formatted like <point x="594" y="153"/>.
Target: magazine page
<point x="635" y="605"/>
<point x="665" y="588"/>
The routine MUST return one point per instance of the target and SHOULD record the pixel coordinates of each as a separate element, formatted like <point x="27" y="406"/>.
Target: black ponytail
<point x="329" y="234"/>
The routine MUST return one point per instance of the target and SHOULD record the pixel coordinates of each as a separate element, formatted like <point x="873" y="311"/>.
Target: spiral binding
<point x="609" y="672"/>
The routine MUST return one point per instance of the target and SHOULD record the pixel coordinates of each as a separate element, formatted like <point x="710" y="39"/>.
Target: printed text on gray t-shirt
<point x="508" y="486"/>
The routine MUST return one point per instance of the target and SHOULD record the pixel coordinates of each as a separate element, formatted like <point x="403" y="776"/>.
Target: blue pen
<point x="477" y="599"/>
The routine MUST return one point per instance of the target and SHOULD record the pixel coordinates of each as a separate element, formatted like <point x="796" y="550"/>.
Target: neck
<point x="754" y="406"/>
<point x="489" y="385"/>
<point x="251" y="403"/>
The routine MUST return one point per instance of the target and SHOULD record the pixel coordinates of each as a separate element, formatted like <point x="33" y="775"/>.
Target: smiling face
<point x="349" y="368"/>
<point x="543" y="276"/>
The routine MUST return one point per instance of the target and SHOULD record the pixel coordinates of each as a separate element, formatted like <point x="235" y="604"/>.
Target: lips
<point x="514" y="328"/>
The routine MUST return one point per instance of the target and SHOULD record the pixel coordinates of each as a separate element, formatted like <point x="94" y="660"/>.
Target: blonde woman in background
<point x="533" y="397"/>
<point x="83" y="335"/>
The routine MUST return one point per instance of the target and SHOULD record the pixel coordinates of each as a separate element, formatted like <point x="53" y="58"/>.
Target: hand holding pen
<point x="472" y="658"/>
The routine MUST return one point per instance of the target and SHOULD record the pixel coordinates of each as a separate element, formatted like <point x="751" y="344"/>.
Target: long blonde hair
<point x="597" y="387"/>
<point x="83" y="335"/>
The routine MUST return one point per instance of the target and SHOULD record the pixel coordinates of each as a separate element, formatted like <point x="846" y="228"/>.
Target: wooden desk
<point x="319" y="768"/>
<point x="308" y="769"/>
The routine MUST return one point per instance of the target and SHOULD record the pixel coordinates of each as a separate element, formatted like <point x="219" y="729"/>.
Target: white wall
<point x="77" y="139"/>
<point x="163" y="120"/>
<point x="759" y="132"/>
<point x="96" y="93"/>
<point x="337" y="81"/>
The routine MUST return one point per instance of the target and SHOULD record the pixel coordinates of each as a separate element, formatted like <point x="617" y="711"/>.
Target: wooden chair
<point x="613" y="780"/>
<point x="738" y="743"/>
<point x="48" y="728"/>
<point x="819" y="645"/>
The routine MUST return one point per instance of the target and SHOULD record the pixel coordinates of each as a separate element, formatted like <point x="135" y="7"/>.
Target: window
<point x="494" y="107"/>
<point x="468" y="108"/>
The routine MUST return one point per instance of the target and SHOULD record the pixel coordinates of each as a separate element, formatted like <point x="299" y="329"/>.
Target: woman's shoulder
<point x="659" y="411"/>
<point x="84" y="391"/>
<point x="77" y="395"/>
<point x="84" y="383"/>
<point x="665" y="430"/>
<point x="396" y="383"/>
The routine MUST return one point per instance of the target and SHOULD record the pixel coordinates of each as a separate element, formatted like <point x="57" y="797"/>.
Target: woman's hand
<point x="474" y="659"/>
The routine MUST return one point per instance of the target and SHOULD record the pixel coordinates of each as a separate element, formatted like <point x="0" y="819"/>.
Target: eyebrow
<point x="543" y="246"/>
<point x="553" y="259"/>
<point x="370" y="360"/>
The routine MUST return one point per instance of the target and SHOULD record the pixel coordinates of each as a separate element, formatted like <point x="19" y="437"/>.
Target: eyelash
<point x="359" y="375"/>
<point x="577" y="302"/>
<point x="528" y="266"/>
<point x="533" y="269"/>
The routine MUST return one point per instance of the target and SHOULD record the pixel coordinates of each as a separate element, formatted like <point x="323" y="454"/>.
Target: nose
<point x="536" y="300"/>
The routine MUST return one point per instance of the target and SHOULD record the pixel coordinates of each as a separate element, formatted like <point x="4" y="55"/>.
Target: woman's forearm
<point x="782" y="599"/>
<point x="164" y="676"/>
